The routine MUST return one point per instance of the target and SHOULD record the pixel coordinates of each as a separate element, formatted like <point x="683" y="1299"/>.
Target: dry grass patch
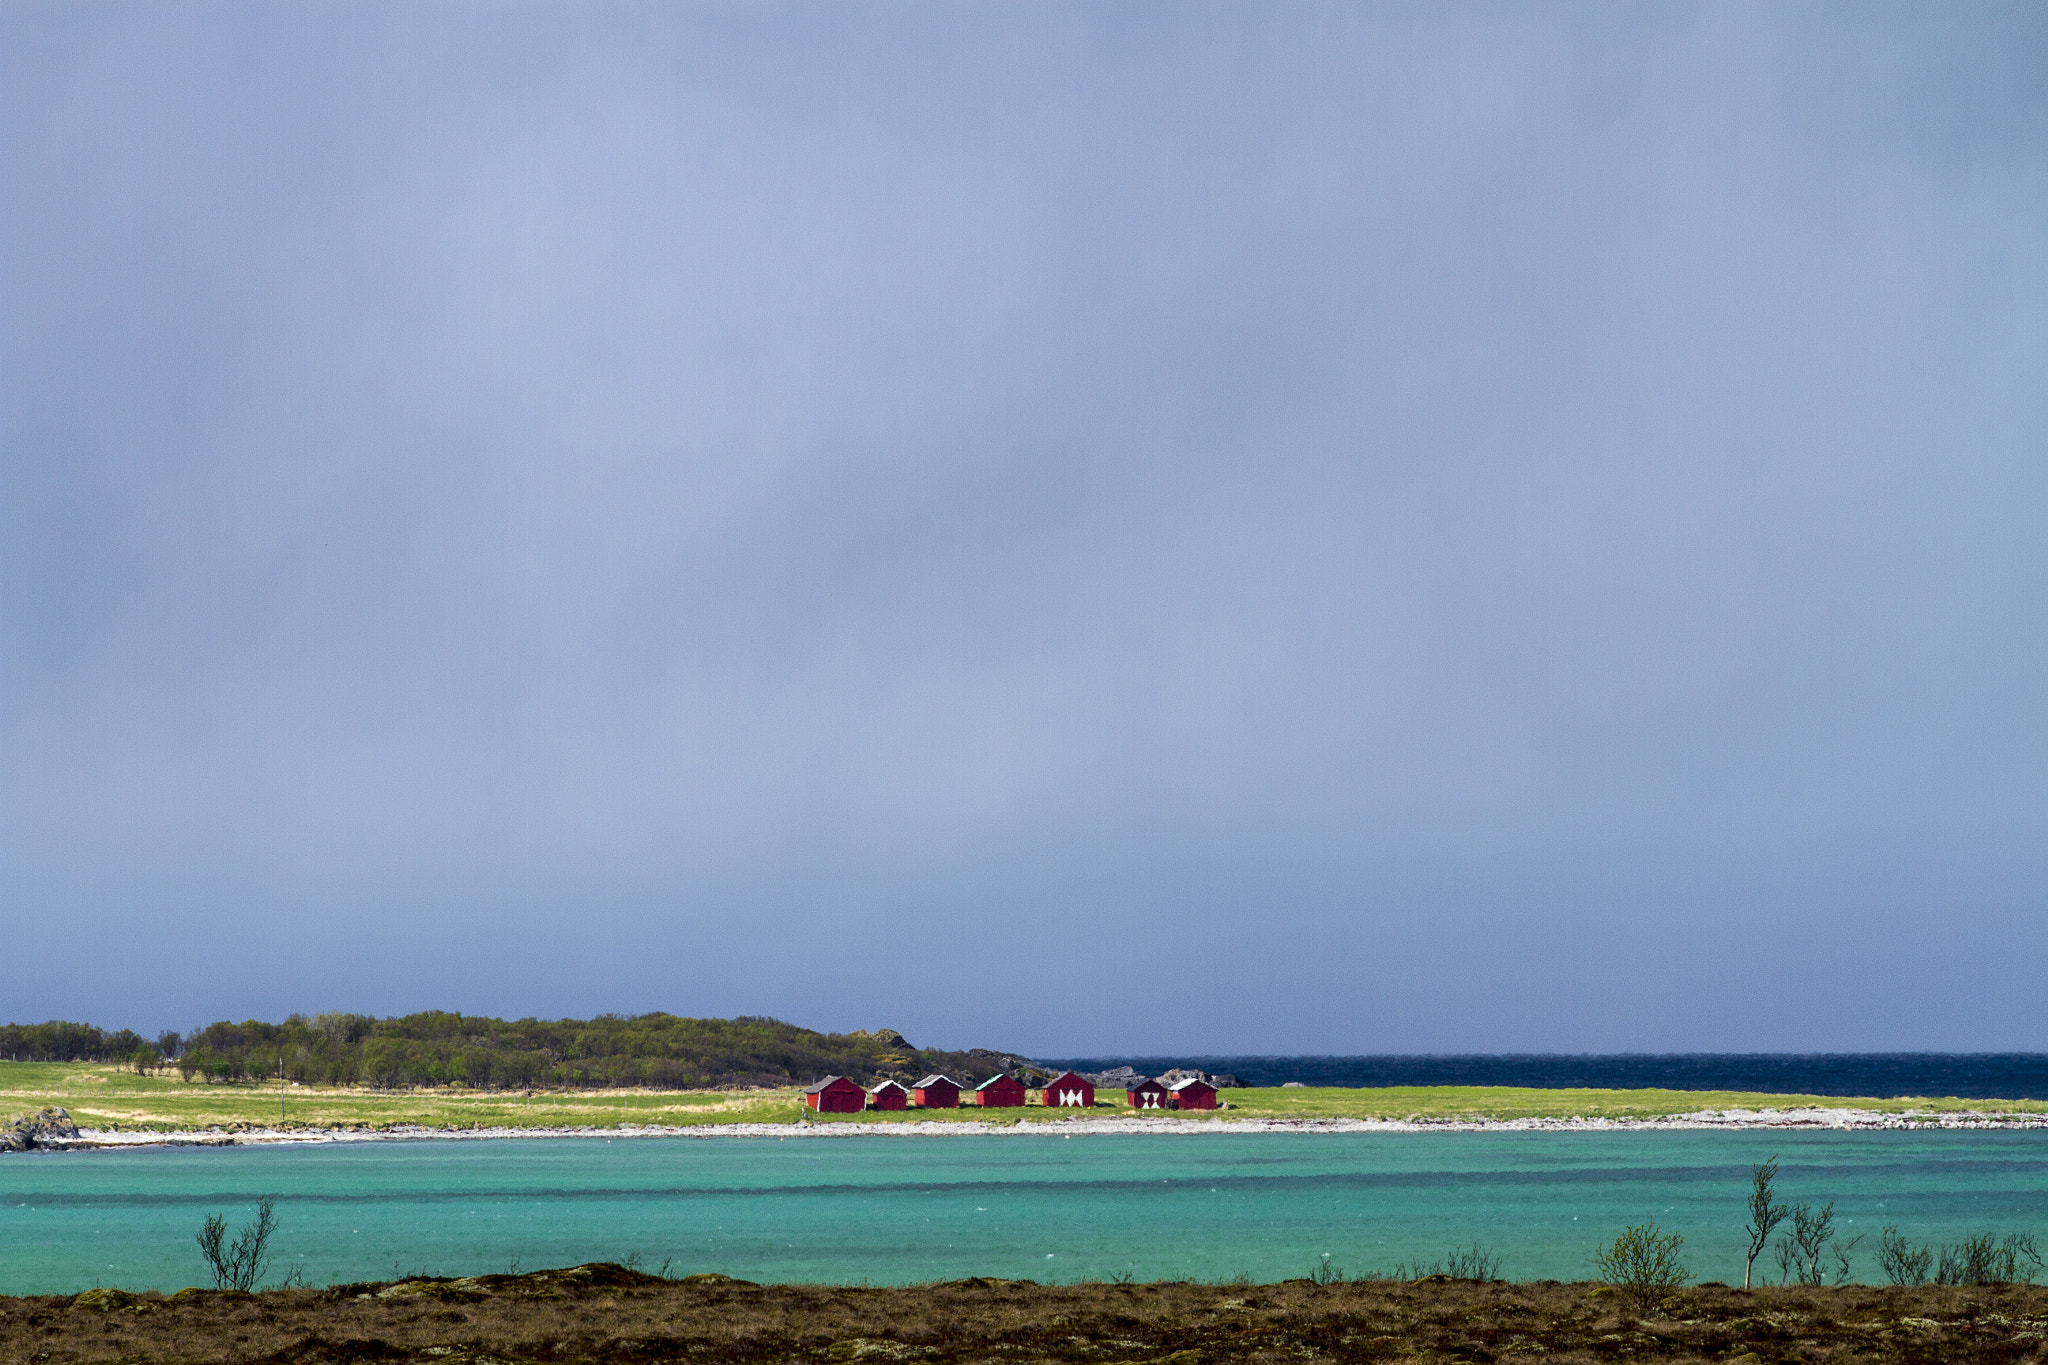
<point x="610" y="1313"/>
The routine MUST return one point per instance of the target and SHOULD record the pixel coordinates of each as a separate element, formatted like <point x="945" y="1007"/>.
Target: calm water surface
<point x="1977" y="1075"/>
<point x="905" y="1210"/>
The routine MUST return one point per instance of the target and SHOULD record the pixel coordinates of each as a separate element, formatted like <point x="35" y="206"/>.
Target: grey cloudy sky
<point x="1080" y="528"/>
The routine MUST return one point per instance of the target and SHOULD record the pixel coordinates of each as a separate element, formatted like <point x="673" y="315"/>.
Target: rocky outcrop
<point x="1224" y="1081"/>
<point x="1116" y="1078"/>
<point x="1023" y="1068"/>
<point x="1124" y="1077"/>
<point x="887" y="1037"/>
<point x="25" y="1132"/>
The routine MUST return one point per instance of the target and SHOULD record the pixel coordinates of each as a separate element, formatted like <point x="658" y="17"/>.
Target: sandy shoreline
<point x="1842" y="1120"/>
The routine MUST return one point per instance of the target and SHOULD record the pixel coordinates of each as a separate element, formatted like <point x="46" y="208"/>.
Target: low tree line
<point x="60" y="1040"/>
<point x="439" y="1048"/>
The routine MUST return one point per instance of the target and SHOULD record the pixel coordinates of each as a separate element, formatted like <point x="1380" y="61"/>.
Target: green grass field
<point x="1508" y="1102"/>
<point x="111" y="1097"/>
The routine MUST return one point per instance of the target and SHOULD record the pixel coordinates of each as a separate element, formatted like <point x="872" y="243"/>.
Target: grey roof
<point x="934" y="1079"/>
<point x="998" y="1077"/>
<point x="1192" y="1080"/>
<point x="820" y="1086"/>
<point x="876" y="1088"/>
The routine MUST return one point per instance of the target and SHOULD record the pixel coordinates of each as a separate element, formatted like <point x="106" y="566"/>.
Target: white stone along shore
<point x="1704" y="1120"/>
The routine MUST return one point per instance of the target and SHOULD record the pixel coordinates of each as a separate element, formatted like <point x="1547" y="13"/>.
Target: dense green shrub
<point x="1643" y="1265"/>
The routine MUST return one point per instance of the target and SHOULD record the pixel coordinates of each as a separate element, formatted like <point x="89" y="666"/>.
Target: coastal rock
<point x="1116" y="1078"/>
<point x="1221" y="1082"/>
<point x="1124" y="1077"/>
<point x="25" y="1132"/>
<point x="1023" y="1068"/>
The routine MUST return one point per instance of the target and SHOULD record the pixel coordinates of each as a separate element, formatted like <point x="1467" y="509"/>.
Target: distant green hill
<point x="438" y="1048"/>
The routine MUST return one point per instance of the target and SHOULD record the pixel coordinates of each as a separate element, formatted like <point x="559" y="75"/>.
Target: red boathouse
<point x="1000" y="1091"/>
<point x="936" y="1092"/>
<point x="1148" y="1094"/>
<point x="836" y="1095"/>
<point x="1193" y="1094"/>
<point x="888" y="1095"/>
<point x="1070" y="1091"/>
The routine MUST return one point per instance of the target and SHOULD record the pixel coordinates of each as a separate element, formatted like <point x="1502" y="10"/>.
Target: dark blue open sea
<point x="1965" y="1075"/>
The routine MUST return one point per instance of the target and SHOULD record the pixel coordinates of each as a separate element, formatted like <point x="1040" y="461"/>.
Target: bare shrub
<point x="1477" y="1263"/>
<point x="238" y="1264"/>
<point x="1985" y="1259"/>
<point x="1901" y="1261"/>
<point x="1805" y="1253"/>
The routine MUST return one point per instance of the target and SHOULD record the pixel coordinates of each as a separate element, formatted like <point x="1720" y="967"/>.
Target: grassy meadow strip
<point x="1517" y="1102"/>
<point x="111" y="1097"/>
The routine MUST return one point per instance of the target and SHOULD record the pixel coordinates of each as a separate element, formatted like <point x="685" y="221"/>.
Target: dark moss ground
<point x="609" y="1313"/>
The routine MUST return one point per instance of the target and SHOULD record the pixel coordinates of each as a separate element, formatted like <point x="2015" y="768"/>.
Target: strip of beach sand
<point x="1703" y="1120"/>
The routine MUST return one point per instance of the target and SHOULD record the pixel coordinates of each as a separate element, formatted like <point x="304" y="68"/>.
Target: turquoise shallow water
<point x="905" y="1210"/>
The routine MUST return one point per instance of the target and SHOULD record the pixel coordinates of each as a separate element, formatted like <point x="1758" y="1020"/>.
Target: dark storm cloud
<point x="1446" y="527"/>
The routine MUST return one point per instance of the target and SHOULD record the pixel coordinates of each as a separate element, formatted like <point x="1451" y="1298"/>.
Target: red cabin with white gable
<point x="936" y="1091"/>
<point x="1000" y="1091"/>
<point x="1069" y="1091"/>
<point x="1192" y="1094"/>
<point x="888" y="1095"/>
<point x="836" y="1095"/>
<point x="1148" y="1094"/>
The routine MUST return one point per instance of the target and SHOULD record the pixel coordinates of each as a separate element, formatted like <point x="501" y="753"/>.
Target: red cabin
<point x="1193" y="1094"/>
<point x="1000" y="1091"/>
<point x="1070" y="1091"/>
<point x="1148" y="1094"/>
<point x="836" y="1095"/>
<point x="888" y="1095"/>
<point x="936" y="1092"/>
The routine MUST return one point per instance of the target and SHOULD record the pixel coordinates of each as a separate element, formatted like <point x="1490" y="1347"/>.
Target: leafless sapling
<point x="238" y="1264"/>
<point x="1764" y="1216"/>
<point x="1804" y="1252"/>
